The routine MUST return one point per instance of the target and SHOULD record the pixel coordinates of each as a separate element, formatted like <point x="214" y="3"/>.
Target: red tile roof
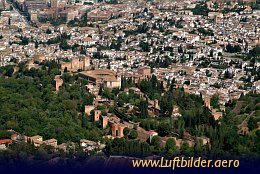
<point x="4" y="141"/>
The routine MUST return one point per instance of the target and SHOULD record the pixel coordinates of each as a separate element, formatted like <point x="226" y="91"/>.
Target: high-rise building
<point x="34" y="16"/>
<point x="54" y="3"/>
<point x="2" y="5"/>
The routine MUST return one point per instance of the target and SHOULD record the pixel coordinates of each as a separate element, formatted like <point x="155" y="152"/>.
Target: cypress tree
<point x="84" y="121"/>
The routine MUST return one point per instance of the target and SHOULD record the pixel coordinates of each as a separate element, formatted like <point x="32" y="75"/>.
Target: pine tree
<point x="172" y="85"/>
<point x="123" y="83"/>
<point x="170" y="146"/>
<point x="161" y="86"/>
<point x="36" y="44"/>
<point x="84" y="121"/>
<point x="144" y="109"/>
<point x="100" y="90"/>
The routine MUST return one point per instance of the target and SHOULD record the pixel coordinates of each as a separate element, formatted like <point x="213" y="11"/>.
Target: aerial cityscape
<point x="128" y="78"/>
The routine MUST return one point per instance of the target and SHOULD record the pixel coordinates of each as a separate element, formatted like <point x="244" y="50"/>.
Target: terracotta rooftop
<point x="4" y="141"/>
<point x="99" y="74"/>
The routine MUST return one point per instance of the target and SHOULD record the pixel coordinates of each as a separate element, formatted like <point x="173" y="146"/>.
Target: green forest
<point x="31" y="107"/>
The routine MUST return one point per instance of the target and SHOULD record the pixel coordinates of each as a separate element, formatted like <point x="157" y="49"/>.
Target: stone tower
<point x="97" y="115"/>
<point x="207" y="101"/>
<point x="104" y="121"/>
<point x="118" y="130"/>
<point x="86" y="62"/>
<point x="59" y="83"/>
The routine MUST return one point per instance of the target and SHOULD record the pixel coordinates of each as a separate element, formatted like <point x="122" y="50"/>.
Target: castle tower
<point x="114" y="130"/>
<point x="89" y="108"/>
<point x="121" y="130"/>
<point x="207" y="101"/>
<point x="118" y="130"/>
<point x="104" y="121"/>
<point x="75" y="64"/>
<point x="118" y="79"/>
<point x="97" y="115"/>
<point x="59" y="83"/>
<point x="86" y="62"/>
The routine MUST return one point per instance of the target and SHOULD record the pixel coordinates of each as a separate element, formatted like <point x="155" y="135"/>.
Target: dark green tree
<point x="170" y="146"/>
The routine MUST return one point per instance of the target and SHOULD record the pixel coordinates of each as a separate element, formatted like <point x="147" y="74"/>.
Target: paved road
<point x="22" y="16"/>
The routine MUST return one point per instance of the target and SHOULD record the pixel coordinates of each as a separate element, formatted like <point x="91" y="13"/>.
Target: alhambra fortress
<point x="108" y="78"/>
